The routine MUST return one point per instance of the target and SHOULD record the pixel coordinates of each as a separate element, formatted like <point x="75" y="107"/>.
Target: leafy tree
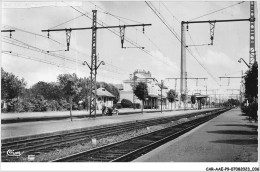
<point x="251" y="92"/>
<point x="183" y="97"/>
<point x="11" y="85"/>
<point x="203" y="101"/>
<point x="251" y="82"/>
<point x="141" y="92"/>
<point x="193" y="100"/>
<point x="39" y="104"/>
<point x="115" y="92"/>
<point x="126" y="103"/>
<point x="70" y="87"/>
<point x="84" y="84"/>
<point x="171" y="96"/>
<point x="233" y="102"/>
<point x="50" y="91"/>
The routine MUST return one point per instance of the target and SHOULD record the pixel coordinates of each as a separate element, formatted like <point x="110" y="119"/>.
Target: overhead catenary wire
<point x="36" y="34"/>
<point x="170" y="12"/>
<point x="112" y="30"/>
<point x="177" y="37"/>
<point x="216" y="11"/>
<point x="30" y="47"/>
<point x="22" y="44"/>
<point x="25" y="31"/>
<point x="52" y="63"/>
<point x="158" y="15"/>
<point x="59" y="65"/>
<point x="118" y="17"/>
<point x="108" y="13"/>
<point x="198" y="18"/>
<point x="39" y="50"/>
<point x="61" y="57"/>
<point x="67" y="21"/>
<point x="35" y="59"/>
<point x="118" y="34"/>
<point x="195" y="46"/>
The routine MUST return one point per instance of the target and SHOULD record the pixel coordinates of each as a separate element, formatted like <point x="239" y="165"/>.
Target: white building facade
<point x="153" y="101"/>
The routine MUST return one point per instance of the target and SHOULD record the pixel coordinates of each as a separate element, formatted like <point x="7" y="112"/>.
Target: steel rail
<point x="123" y="150"/>
<point x="48" y="143"/>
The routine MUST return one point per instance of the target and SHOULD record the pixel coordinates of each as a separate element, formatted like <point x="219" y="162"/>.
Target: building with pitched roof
<point x="154" y="91"/>
<point x="104" y="98"/>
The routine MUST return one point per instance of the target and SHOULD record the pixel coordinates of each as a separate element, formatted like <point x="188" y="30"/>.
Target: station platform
<point x="7" y="118"/>
<point x="29" y="129"/>
<point x="229" y="137"/>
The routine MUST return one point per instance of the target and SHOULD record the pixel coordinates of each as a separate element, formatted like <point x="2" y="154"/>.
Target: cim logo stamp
<point x="13" y="153"/>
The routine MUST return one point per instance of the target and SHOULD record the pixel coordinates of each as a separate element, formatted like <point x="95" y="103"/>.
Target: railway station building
<point x="153" y="101"/>
<point x="104" y="98"/>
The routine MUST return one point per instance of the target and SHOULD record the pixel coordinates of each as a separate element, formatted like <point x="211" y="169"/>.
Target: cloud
<point x="39" y="4"/>
<point x="217" y="59"/>
<point x="161" y="66"/>
<point x="164" y="59"/>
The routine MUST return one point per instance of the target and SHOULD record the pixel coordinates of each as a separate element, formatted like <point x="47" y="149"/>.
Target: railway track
<point x="50" y="143"/>
<point x="130" y="149"/>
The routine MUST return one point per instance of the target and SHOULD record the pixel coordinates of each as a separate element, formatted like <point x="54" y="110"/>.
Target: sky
<point x="162" y="52"/>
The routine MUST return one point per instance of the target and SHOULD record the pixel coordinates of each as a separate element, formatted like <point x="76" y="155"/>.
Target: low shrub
<point x="40" y="104"/>
<point x="251" y="110"/>
<point x="126" y="103"/>
<point x="117" y="106"/>
<point x="137" y="105"/>
<point x="147" y="106"/>
<point x="64" y="105"/>
<point x="53" y="105"/>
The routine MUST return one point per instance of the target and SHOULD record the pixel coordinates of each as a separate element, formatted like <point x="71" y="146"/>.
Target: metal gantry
<point x="212" y="26"/>
<point x="93" y="67"/>
<point x="186" y="78"/>
<point x="230" y="77"/>
<point x="252" y="52"/>
<point x="10" y="31"/>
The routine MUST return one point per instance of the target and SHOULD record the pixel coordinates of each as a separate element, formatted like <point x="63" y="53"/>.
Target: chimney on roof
<point x="101" y="87"/>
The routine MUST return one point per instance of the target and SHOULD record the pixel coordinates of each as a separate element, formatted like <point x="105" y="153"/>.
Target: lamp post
<point x="161" y="94"/>
<point x="244" y="62"/>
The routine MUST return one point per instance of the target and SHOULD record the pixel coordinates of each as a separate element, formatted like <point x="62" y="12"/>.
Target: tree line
<point x="69" y="93"/>
<point x="251" y="92"/>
